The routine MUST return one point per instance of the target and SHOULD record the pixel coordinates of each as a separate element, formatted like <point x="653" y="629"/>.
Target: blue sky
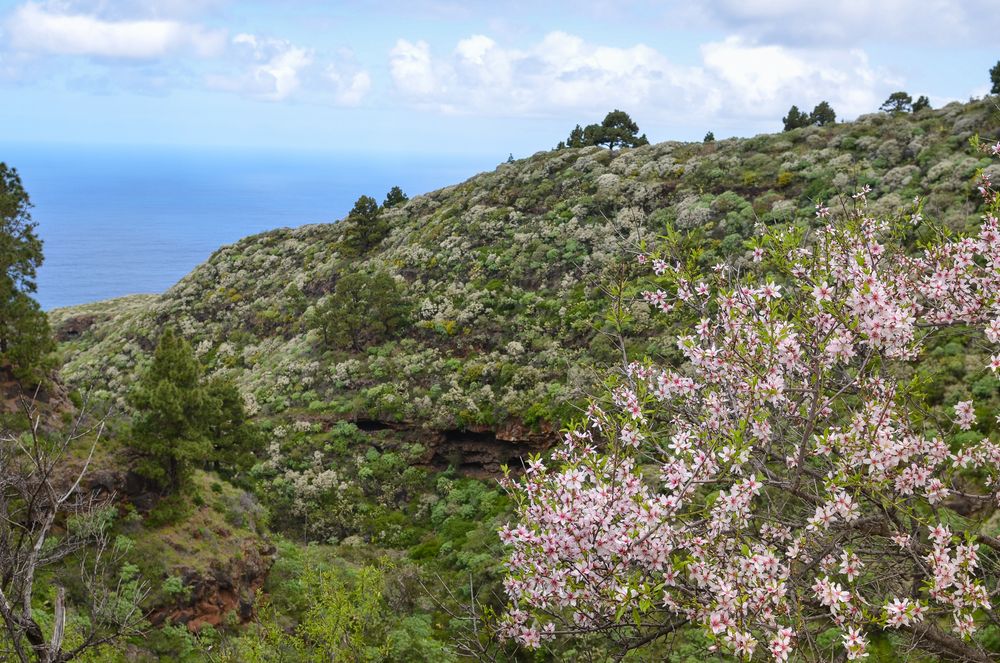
<point x="442" y="77"/>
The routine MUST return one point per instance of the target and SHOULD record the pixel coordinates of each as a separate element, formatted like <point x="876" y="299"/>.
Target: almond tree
<point x="784" y="485"/>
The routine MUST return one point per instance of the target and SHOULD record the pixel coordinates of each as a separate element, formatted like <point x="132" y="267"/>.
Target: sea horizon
<point x="118" y="220"/>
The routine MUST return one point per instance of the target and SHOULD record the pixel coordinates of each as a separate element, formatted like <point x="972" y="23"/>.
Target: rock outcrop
<point x="226" y="592"/>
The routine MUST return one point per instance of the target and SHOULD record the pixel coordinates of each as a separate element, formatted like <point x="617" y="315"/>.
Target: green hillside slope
<point x="504" y="279"/>
<point x="504" y="272"/>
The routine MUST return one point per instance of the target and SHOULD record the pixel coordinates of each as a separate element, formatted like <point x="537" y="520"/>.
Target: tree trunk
<point x="59" y="629"/>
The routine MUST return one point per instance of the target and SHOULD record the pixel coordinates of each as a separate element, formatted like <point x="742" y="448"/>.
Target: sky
<point x="443" y="77"/>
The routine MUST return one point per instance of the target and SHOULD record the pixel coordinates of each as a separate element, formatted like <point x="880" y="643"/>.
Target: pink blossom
<point x="778" y="476"/>
<point x="965" y="415"/>
<point x="781" y="644"/>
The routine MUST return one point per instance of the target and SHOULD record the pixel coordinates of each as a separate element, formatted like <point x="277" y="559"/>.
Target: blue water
<point x="125" y="220"/>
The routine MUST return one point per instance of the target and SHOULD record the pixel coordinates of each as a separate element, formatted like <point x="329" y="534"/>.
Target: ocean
<point x="125" y="220"/>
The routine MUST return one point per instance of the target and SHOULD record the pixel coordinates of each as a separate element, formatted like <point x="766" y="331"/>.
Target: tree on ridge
<point x="366" y="227"/>
<point x="898" y="102"/>
<point x="823" y="114"/>
<point x="394" y="197"/>
<point x="617" y="129"/>
<point x="795" y="119"/>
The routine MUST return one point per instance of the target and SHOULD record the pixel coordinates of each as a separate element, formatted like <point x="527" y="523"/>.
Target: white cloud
<point x="37" y="29"/>
<point x="151" y="8"/>
<point x="269" y="68"/>
<point x="770" y="78"/>
<point x="734" y="79"/>
<point x="410" y="66"/>
<point x="584" y="75"/>
<point x="272" y="69"/>
<point x="562" y="71"/>
<point x="93" y="38"/>
<point x="475" y="49"/>
<point x="349" y="88"/>
<point x="274" y="74"/>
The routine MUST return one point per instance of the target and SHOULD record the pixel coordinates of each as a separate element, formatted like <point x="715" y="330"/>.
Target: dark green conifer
<point x="366" y="227"/>
<point x="898" y="102"/>
<point x="575" y="137"/>
<point x="795" y="119"/>
<point x="235" y="439"/>
<point x="619" y="130"/>
<point x="394" y="197"/>
<point x="169" y="432"/>
<point x="921" y="103"/>
<point x="182" y="423"/>
<point x="822" y="114"/>
<point x="25" y="339"/>
<point x="363" y="309"/>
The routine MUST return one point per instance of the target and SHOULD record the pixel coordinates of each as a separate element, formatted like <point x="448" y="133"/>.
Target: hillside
<point x="505" y="277"/>
<point x="504" y="272"/>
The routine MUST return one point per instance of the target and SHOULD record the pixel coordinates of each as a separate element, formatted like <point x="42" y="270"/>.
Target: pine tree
<point x="182" y="422"/>
<point x="366" y="228"/>
<point x="25" y="338"/>
<point x="169" y="431"/>
<point x="822" y="114"/>
<point x="898" y="102"/>
<point x="618" y="129"/>
<point x="593" y="134"/>
<point x="709" y="138"/>
<point x="394" y="197"/>
<point x="795" y="119"/>
<point x="363" y="309"/>
<point x="575" y="137"/>
<point x="995" y="78"/>
<point x="235" y="440"/>
<point x="921" y="103"/>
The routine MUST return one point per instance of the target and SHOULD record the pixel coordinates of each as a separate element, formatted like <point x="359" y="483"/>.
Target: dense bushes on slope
<point x="505" y="271"/>
<point x="505" y="277"/>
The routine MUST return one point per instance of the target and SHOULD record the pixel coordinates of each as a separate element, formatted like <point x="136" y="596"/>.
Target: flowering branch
<point x="785" y="478"/>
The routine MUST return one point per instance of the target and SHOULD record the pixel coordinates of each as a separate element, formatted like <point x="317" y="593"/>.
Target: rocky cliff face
<point x="227" y="592"/>
<point x="476" y="451"/>
<point x="49" y="398"/>
<point x="481" y="451"/>
<point x="218" y="555"/>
